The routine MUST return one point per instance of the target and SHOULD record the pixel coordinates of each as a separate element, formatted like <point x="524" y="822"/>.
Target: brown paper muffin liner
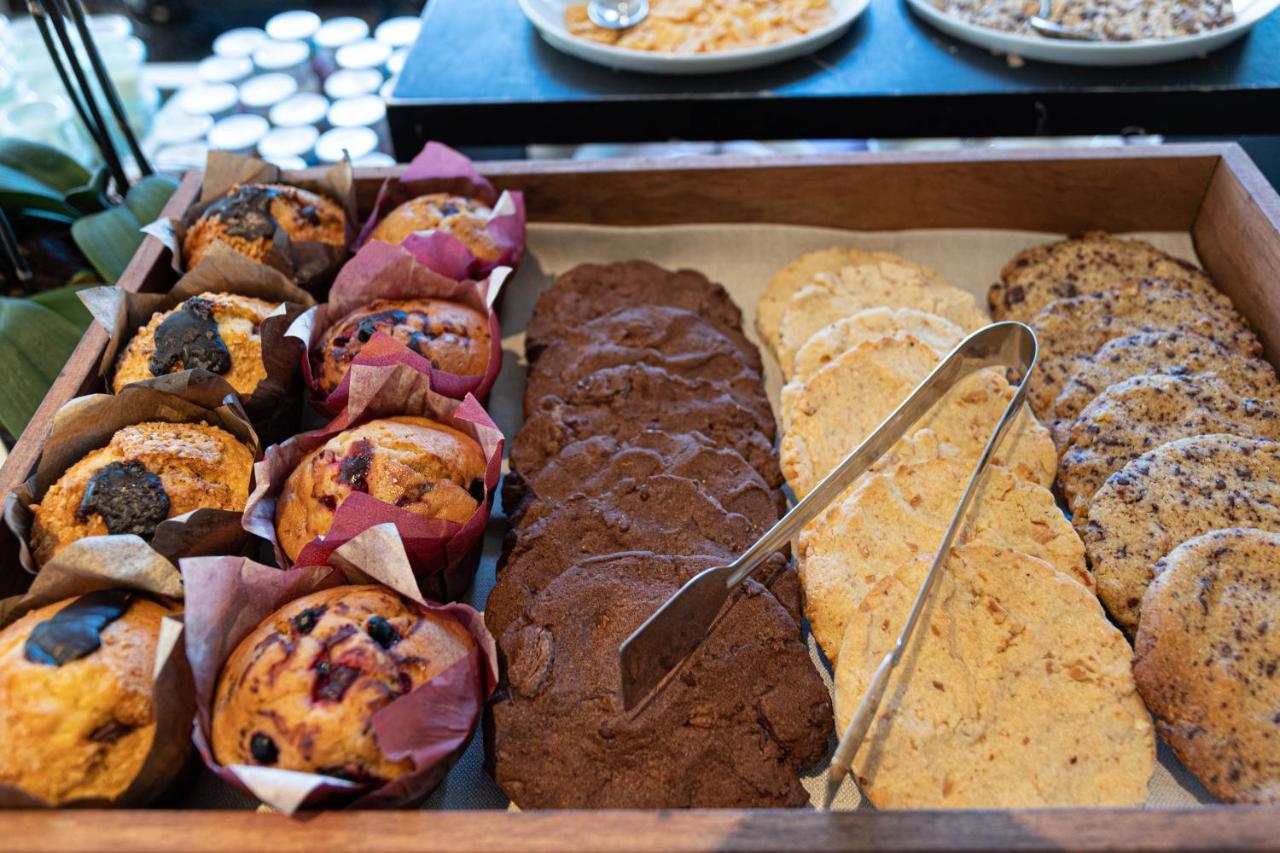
<point x="443" y="555"/>
<point x="310" y="263"/>
<point x="440" y="169"/>
<point x="87" y="423"/>
<point x="383" y="271"/>
<point x="229" y="598"/>
<point x="173" y="695"/>
<point x="273" y="406"/>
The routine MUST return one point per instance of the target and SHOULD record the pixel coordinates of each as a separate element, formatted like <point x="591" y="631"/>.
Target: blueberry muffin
<point x="461" y="217"/>
<point x="147" y="473"/>
<point x="411" y="462"/>
<point x="300" y="692"/>
<point x="76" y="683"/>
<point x="453" y="336"/>
<point x="218" y="332"/>
<point x="246" y="219"/>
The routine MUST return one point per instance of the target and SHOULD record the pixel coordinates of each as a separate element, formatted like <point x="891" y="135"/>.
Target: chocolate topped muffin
<point x="77" y="717"/>
<point x="415" y="463"/>
<point x="301" y="691"/>
<point x="147" y="473"/>
<point x="746" y="713"/>
<point x="247" y="218"/>
<point x="452" y="336"/>
<point x="460" y="217"/>
<point x="218" y="332"/>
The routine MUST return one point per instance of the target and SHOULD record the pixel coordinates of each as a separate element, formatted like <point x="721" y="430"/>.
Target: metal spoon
<point x="1042" y="24"/>
<point x="617" y="14"/>
<point x="680" y="624"/>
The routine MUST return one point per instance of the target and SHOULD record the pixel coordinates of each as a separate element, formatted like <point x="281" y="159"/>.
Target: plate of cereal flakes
<point x="697" y="36"/>
<point x="1126" y="32"/>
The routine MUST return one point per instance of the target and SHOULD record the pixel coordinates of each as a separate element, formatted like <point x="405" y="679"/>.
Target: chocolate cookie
<point x="589" y="291"/>
<point x="622" y="402"/>
<point x="678" y="341"/>
<point x="662" y="513"/>
<point x="745" y="714"/>
<point x="593" y="465"/>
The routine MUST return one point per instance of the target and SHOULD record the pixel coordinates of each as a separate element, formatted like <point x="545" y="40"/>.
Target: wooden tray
<point x="1211" y="191"/>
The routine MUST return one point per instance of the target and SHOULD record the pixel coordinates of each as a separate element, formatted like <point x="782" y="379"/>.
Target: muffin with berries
<point x="249" y="216"/>
<point x="414" y="463"/>
<point x="463" y="218"/>
<point x="452" y="336"/>
<point x="301" y="691"/>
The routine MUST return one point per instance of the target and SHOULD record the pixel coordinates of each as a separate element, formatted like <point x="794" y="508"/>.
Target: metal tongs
<point x="667" y="637"/>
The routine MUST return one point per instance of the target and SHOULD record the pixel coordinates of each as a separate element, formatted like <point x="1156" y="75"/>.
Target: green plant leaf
<point x="92" y="196"/>
<point x="148" y="197"/>
<point x="34" y="345"/>
<point x="108" y="239"/>
<point x="64" y="302"/>
<point x="43" y="162"/>
<point x="19" y="191"/>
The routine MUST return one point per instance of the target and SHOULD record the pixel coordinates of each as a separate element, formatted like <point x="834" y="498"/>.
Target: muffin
<point x="76" y="684"/>
<point x="147" y="473"/>
<point x="463" y="218"/>
<point x="246" y="219"/>
<point x="411" y="462"/>
<point x="452" y="336"/>
<point x="215" y="331"/>
<point x="301" y="691"/>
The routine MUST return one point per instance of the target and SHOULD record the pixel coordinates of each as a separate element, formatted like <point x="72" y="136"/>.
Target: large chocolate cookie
<point x="661" y="513"/>
<point x="593" y="465"/>
<point x="676" y="340"/>
<point x="745" y="713"/>
<point x="623" y="402"/>
<point x="589" y="291"/>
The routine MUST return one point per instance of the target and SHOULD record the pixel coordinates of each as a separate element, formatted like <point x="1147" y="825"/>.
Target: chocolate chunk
<point x="246" y="212"/>
<point x="354" y="469"/>
<point x="263" y="749"/>
<point x="190" y="336"/>
<point x="382" y="632"/>
<point x="75" y="631"/>
<point x="128" y="498"/>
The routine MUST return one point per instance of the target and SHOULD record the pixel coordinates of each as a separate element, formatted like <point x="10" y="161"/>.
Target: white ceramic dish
<point x="1145" y="52"/>
<point x="548" y="17"/>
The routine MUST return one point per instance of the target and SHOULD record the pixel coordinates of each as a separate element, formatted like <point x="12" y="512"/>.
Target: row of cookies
<point x="1016" y="691"/>
<point x="646" y="457"/>
<point x="161" y="477"/>
<point x="1163" y="411"/>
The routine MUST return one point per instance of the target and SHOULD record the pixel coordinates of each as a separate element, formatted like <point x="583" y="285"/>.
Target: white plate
<point x="1144" y="52"/>
<point x="548" y="17"/>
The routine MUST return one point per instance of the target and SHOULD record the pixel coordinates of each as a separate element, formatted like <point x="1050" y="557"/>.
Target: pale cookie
<point x="1177" y="353"/>
<point x="1144" y="412"/>
<point x="1174" y="493"/>
<point x="1015" y="691"/>
<point x="827" y="416"/>
<point x="804" y="270"/>
<point x="1206" y="660"/>
<point x="1070" y="331"/>
<point x="894" y="516"/>
<point x="938" y="334"/>
<point x="855" y="289"/>
<point x="1087" y="264"/>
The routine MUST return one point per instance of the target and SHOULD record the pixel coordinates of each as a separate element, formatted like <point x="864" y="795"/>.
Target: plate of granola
<point x="1129" y="32"/>
<point x="697" y="36"/>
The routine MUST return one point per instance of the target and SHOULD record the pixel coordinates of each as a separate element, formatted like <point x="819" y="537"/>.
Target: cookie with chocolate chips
<point x="1207" y="660"/>
<point x="1173" y="493"/>
<point x="589" y="291"/>
<point x="744" y="715"/>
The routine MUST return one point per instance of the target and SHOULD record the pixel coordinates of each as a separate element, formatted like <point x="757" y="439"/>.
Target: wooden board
<point x="1213" y="191"/>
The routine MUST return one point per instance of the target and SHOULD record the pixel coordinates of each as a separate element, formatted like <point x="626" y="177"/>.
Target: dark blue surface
<point x="480" y="74"/>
